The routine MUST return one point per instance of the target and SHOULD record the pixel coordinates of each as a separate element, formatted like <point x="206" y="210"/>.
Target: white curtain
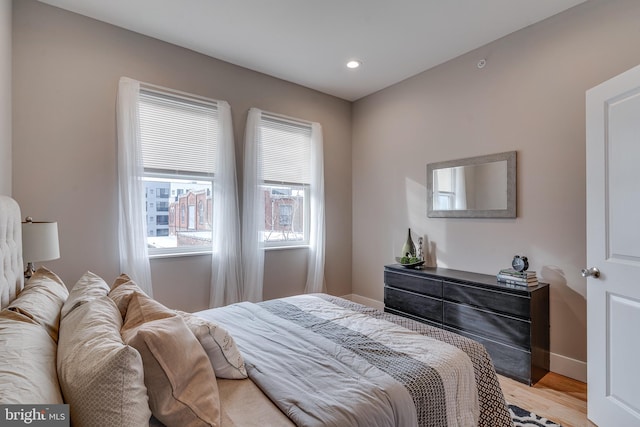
<point x="315" y="260"/>
<point x="226" y="276"/>
<point x="132" y="227"/>
<point x="252" y="211"/>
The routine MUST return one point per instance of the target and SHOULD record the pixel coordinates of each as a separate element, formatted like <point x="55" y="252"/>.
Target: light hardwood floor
<point x="556" y="397"/>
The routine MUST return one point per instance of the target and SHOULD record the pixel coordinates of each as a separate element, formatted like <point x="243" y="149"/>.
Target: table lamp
<point x="39" y="243"/>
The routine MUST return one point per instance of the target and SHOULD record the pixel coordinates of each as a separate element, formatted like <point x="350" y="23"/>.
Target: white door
<point x="613" y="247"/>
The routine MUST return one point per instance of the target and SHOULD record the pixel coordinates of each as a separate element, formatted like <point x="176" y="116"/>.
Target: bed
<point x="118" y="357"/>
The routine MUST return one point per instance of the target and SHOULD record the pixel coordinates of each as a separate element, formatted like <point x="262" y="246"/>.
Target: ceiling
<point x="309" y="42"/>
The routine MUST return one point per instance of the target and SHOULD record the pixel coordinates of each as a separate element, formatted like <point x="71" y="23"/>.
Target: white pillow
<point x="41" y="300"/>
<point x="28" y="362"/>
<point x="90" y="286"/>
<point x="226" y="360"/>
<point x="102" y="379"/>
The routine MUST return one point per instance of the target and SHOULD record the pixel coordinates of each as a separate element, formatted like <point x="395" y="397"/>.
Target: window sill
<point x="179" y="254"/>
<point x="202" y="253"/>
<point x="280" y="248"/>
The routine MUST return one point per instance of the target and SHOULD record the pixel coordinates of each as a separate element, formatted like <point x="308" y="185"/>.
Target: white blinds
<point x="286" y="150"/>
<point x="178" y="135"/>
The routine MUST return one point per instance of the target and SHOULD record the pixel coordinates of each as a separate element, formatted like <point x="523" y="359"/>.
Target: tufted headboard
<point x="11" y="265"/>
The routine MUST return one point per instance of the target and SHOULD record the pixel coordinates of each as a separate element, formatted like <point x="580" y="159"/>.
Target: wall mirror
<point x="475" y="187"/>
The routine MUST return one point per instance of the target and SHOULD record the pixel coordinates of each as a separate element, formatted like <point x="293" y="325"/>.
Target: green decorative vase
<point x="409" y="249"/>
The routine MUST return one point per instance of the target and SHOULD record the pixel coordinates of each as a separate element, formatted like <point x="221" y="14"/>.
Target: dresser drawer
<point x="408" y="282"/>
<point x="509" y="361"/>
<point x="506" y="329"/>
<point x="416" y="318"/>
<point x="492" y="300"/>
<point x="411" y="303"/>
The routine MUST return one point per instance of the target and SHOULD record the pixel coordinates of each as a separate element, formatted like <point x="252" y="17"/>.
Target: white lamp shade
<point x="40" y="241"/>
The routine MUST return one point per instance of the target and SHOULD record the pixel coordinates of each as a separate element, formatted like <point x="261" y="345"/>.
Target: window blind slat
<point x="178" y="135"/>
<point x="286" y="151"/>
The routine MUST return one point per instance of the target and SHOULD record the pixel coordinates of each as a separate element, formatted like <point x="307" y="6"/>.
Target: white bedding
<point x="326" y="365"/>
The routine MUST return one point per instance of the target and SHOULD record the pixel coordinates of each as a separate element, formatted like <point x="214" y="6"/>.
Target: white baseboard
<point x="563" y="365"/>
<point x="572" y="368"/>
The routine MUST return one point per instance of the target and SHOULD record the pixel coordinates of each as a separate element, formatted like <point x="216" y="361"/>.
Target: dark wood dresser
<point x="511" y="321"/>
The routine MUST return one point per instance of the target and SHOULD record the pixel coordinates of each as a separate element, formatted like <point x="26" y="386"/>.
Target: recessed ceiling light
<point x="354" y="63"/>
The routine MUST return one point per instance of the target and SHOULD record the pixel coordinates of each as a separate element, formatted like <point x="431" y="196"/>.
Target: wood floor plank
<point x="556" y="397"/>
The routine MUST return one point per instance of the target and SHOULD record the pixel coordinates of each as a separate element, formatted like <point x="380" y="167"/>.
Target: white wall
<point x="529" y="98"/>
<point x="5" y="97"/>
<point x="66" y="70"/>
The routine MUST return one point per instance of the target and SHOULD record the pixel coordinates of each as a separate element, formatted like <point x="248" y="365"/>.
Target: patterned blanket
<point x="493" y="407"/>
<point x="325" y="361"/>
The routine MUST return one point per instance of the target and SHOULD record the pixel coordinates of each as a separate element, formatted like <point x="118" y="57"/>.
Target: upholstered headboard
<point x="11" y="265"/>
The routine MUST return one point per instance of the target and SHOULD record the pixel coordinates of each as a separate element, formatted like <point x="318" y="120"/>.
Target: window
<point x="286" y="157"/>
<point x="284" y="220"/>
<point x="192" y="217"/>
<point x="201" y="217"/>
<point x="283" y="195"/>
<point x="451" y="184"/>
<point x="179" y="137"/>
<point x="445" y="196"/>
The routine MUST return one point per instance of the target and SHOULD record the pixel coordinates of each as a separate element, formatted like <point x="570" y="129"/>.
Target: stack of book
<point x="513" y="277"/>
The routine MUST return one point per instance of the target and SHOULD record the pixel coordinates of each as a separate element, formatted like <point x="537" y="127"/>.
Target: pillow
<point x="41" y="300"/>
<point x="28" y="363"/>
<point x="90" y="286"/>
<point x="146" y="309"/>
<point x="121" y="292"/>
<point x="180" y="381"/>
<point x="102" y="379"/>
<point x="226" y="360"/>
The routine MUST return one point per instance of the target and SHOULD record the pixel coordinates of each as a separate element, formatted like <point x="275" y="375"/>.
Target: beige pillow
<point x="180" y="381"/>
<point x="41" y="300"/>
<point x="102" y="379"/>
<point x="28" y="362"/>
<point x="89" y="287"/>
<point x="226" y="360"/>
<point x="122" y="290"/>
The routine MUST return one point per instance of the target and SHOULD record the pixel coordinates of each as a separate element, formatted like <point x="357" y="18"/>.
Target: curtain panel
<point x="253" y="211"/>
<point x="132" y="225"/>
<point x="226" y="276"/>
<point x="315" y="258"/>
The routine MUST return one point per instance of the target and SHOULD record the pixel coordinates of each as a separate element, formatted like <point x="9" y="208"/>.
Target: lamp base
<point x="29" y="271"/>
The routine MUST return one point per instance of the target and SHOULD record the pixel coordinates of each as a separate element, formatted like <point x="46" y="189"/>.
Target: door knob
<point x="590" y="272"/>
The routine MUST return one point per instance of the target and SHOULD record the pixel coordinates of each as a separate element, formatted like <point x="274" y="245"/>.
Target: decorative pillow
<point x="180" y="382"/>
<point x="226" y="360"/>
<point x="121" y="292"/>
<point x="102" y="379"/>
<point x="28" y="363"/>
<point x="41" y="300"/>
<point x="89" y="287"/>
